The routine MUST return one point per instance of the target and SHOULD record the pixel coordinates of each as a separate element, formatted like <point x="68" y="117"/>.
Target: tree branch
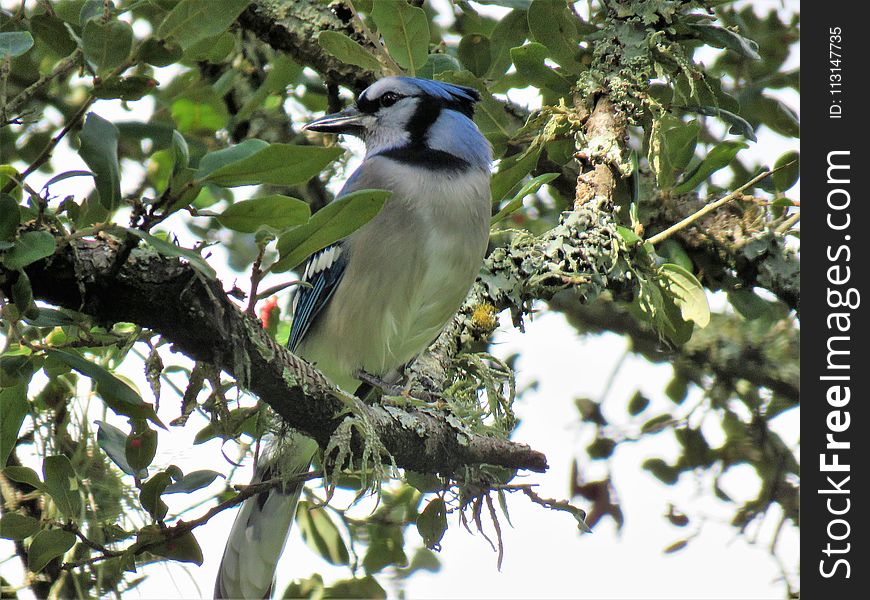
<point x="295" y="33"/>
<point x="196" y="315"/>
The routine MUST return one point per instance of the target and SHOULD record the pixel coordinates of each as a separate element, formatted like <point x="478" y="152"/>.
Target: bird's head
<point x="395" y="111"/>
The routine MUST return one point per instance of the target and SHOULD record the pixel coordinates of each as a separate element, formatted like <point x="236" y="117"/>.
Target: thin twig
<point x="256" y="277"/>
<point x="63" y="68"/>
<point x="183" y="527"/>
<point x="89" y="542"/>
<point x="788" y="223"/>
<point x="662" y="236"/>
<point x="45" y="155"/>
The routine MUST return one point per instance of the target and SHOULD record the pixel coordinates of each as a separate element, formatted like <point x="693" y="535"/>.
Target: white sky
<point x="545" y="556"/>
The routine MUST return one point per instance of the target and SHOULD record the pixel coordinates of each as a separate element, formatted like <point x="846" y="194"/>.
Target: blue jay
<point x="380" y="296"/>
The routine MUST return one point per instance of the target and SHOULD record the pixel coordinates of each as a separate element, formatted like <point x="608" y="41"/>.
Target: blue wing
<point x="323" y="272"/>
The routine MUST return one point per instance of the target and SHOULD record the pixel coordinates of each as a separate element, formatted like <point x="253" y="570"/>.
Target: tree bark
<point x="194" y="313"/>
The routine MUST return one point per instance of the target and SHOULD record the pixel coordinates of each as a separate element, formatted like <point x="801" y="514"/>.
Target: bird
<point x="376" y="299"/>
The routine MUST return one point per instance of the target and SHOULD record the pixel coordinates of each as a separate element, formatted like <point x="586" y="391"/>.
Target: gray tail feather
<point x="261" y="528"/>
<point x="255" y="543"/>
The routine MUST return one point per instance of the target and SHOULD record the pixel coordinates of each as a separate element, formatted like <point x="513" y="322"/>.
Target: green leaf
<point x="423" y="482"/>
<point x="749" y="304"/>
<point x="16" y="368"/>
<point x="674" y="252"/>
<point x="99" y="150"/>
<point x="671" y="147"/>
<point x="193" y="20"/>
<point x="184" y="548"/>
<point x="22" y="294"/>
<point x="519" y="4"/>
<point x="15" y="526"/>
<point x="510" y="32"/>
<point x="718" y="158"/>
<point x="52" y="32"/>
<point x="677" y="389"/>
<point x="347" y="50"/>
<point x="212" y="49"/>
<point x="405" y="30"/>
<point x="119" y="396"/>
<point x="739" y="125"/>
<point x="554" y="25"/>
<point x="113" y="441"/>
<point x="140" y="448"/>
<point x="437" y="64"/>
<point x="628" y="236"/>
<point x="779" y="117"/>
<point x="331" y="223"/>
<point x="107" y="45"/>
<point x="284" y="72"/>
<point x="125" y="88"/>
<point x="149" y="496"/>
<point x="66" y="175"/>
<point x="200" y="111"/>
<point x="305" y="588"/>
<point x="62" y="485"/>
<point x="529" y="61"/>
<point x="475" y="53"/>
<point x="637" y="404"/>
<point x="169" y="249"/>
<point x="47" y="545"/>
<point x="359" y="587"/>
<point x="787" y="176"/>
<point x="15" y="43"/>
<point x="24" y="475"/>
<point x="92" y="9"/>
<point x="50" y="317"/>
<point x="512" y="170"/>
<point x="680" y="144"/>
<point x="386" y="547"/>
<point x="516" y="202"/>
<point x="13" y="408"/>
<point x="321" y="534"/>
<point x="10" y="217"/>
<point x="720" y="37"/>
<point x="688" y="293"/>
<point x="213" y="161"/>
<point x="30" y="247"/>
<point x="191" y="482"/>
<point x="278" y="212"/>
<point x="159" y="53"/>
<point x="180" y="152"/>
<point x="432" y="523"/>
<point x="659" y="468"/>
<point x="278" y="164"/>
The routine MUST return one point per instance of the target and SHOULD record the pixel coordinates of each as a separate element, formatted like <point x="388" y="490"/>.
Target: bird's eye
<point x="388" y="99"/>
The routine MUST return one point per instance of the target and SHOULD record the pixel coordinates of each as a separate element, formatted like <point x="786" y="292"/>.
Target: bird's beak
<point x="347" y="121"/>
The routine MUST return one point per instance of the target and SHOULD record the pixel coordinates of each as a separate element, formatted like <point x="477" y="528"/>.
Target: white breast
<point x="409" y="269"/>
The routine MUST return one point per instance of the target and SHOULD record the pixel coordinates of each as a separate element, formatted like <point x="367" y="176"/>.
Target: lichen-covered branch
<point x="294" y="30"/>
<point x="730" y="244"/>
<point x="195" y="314"/>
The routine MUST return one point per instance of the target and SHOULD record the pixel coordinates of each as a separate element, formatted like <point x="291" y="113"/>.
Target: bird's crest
<point x="455" y="97"/>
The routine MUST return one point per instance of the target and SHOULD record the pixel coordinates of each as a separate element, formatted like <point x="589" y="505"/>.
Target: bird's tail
<point x="261" y="528"/>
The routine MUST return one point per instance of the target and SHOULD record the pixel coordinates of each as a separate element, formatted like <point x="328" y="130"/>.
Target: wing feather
<point x="323" y="272"/>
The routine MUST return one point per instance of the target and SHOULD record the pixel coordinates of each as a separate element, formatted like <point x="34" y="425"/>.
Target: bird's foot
<point x="394" y="389"/>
